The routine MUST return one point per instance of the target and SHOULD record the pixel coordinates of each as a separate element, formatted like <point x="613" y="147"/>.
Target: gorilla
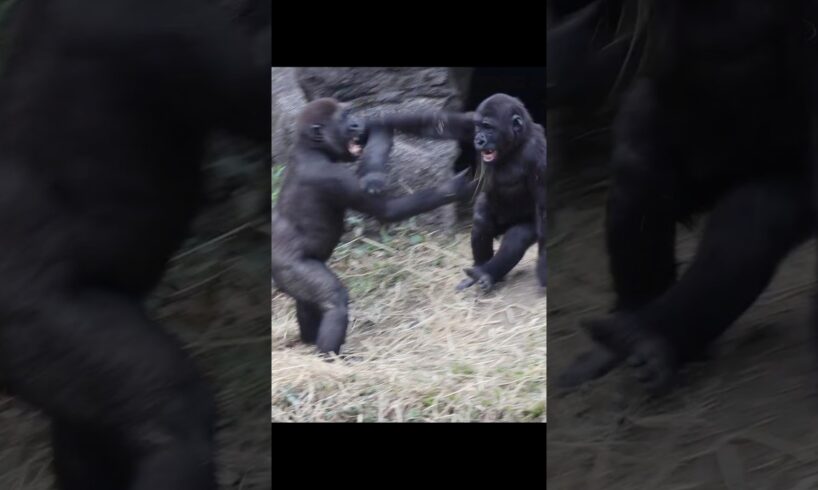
<point x="308" y="220"/>
<point x="512" y="156"/>
<point x="717" y="120"/>
<point x="512" y="204"/>
<point x="106" y="107"/>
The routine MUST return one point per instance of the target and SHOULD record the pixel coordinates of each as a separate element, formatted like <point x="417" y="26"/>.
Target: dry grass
<point x="417" y="350"/>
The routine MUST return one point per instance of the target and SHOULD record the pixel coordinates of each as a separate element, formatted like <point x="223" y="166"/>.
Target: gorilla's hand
<point x="462" y="186"/>
<point x="374" y="182"/>
<point x="476" y="276"/>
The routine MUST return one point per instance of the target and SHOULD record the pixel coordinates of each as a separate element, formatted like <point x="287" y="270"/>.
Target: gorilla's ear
<point x="517" y="123"/>
<point x="316" y="134"/>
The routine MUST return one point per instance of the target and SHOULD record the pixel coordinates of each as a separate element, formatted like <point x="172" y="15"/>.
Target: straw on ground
<point x="417" y="350"/>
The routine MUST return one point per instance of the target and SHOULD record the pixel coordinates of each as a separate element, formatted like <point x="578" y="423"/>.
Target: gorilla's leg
<point x="642" y="210"/>
<point x="749" y="233"/>
<point x="309" y="320"/>
<point x="483" y="232"/>
<point x="94" y="363"/>
<point x="513" y="246"/>
<point x="84" y="460"/>
<point x="640" y="225"/>
<point x="641" y="242"/>
<point x="311" y="281"/>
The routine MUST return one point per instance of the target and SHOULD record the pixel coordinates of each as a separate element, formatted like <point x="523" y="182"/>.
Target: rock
<point x="287" y="102"/>
<point x="366" y="87"/>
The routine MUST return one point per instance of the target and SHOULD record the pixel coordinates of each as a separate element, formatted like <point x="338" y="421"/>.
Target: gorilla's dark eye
<point x="315" y="130"/>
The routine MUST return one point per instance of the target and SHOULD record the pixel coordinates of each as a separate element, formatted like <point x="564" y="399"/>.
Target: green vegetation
<point x="278" y="177"/>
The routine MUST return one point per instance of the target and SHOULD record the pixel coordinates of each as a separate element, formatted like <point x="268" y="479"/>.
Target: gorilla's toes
<point x="483" y="280"/>
<point x="588" y="366"/>
<point x="476" y="276"/>
<point x="326" y="356"/>
<point x="618" y="333"/>
<point x="651" y="355"/>
<point x="659" y="366"/>
<point x="485" y="283"/>
<point x="465" y="283"/>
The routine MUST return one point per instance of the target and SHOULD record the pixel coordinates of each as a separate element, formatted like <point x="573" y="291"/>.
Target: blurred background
<point x="744" y="419"/>
<point x="213" y="297"/>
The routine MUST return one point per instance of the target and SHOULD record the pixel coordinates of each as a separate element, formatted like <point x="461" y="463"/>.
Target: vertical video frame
<point x="408" y="244"/>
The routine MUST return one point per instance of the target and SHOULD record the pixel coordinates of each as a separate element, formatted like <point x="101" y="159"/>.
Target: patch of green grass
<point x="536" y="411"/>
<point x="278" y="177"/>
<point x="382" y="254"/>
<point x="413" y="415"/>
<point x="386" y="276"/>
<point x="462" y="368"/>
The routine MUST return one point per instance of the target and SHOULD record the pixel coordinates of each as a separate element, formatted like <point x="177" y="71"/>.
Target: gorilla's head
<point x="501" y="126"/>
<point x="327" y="126"/>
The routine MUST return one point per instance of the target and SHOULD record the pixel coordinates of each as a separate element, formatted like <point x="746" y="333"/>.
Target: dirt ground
<point x="417" y="351"/>
<point x="214" y="297"/>
<point x="745" y="420"/>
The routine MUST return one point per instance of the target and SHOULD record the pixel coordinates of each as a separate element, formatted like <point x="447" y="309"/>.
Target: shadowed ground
<point x="744" y="420"/>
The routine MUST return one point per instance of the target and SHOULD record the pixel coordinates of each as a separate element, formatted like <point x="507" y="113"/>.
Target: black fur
<point x="513" y="200"/>
<point x="105" y="109"/>
<point x="309" y="216"/>
<point x="379" y="132"/>
<point x="718" y="120"/>
<point x="529" y="84"/>
<point x="512" y="203"/>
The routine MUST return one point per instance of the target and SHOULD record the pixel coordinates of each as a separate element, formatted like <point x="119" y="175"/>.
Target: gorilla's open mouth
<point x="354" y="147"/>
<point x="488" y="155"/>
